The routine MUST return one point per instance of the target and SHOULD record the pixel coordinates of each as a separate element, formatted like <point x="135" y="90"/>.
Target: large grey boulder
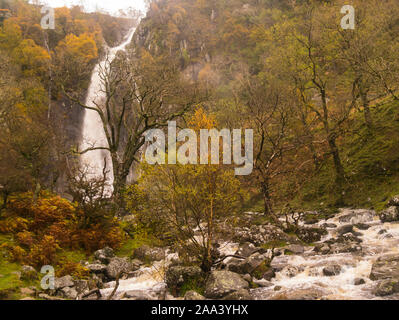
<point x="386" y="267"/>
<point x="222" y="283"/>
<point x="104" y="255"/>
<point x="116" y="266"/>
<point x="298" y="294"/>
<point x="242" y="294"/>
<point x="68" y="293"/>
<point x="63" y="282"/>
<point x="389" y="215"/>
<point x="250" y="264"/>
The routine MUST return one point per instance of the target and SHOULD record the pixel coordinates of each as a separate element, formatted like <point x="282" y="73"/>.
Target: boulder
<point x="242" y="294"/>
<point x="176" y="276"/>
<point x="259" y="234"/>
<point x="386" y="267"/>
<point x="193" y="295"/>
<point x="250" y="264"/>
<point x="389" y="215"/>
<point x="345" y="229"/>
<point x="28" y="273"/>
<point x="310" y="235"/>
<point x="386" y="288"/>
<point x="118" y="265"/>
<point x="104" y="255"/>
<point x="394" y="201"/>
<point x="332" y="270"/>
<point x="64" y="282"/>
<point x="69" y="293"/>
<point x="359" y="281"/>
<point x="222" y="283"/>
<point x="81" y="286"/>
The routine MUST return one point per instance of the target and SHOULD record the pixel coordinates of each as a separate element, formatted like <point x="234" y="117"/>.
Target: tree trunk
<point x="339" y="169"/>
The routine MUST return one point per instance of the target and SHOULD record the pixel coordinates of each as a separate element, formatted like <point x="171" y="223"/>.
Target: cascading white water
<point x="93" y="135"/>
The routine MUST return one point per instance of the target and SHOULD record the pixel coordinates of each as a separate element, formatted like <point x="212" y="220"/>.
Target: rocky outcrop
<point x="222" y="283"/>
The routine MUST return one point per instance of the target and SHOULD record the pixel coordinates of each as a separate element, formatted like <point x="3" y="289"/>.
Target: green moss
<point x="193" y="284"/>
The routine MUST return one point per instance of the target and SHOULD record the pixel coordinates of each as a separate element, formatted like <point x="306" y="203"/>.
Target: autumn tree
<point x="185" y="201"/>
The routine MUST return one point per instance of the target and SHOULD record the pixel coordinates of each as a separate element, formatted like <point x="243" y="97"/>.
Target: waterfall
<point x="93" y="132"/>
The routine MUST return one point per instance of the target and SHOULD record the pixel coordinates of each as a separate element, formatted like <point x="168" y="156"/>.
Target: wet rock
<point x="104" y="255"/>
<point x="116" y="266"/>
<point x="386" y="267"/>
<point x="193" y="295"/>
<point x="242" y="294"/>
<point x="359" y="281"/>
<point x="246" y="249"/>
<point x="345" y="229"/>
<point x="263" y="283"/>
<point x="394" y="201"/>
<point x="148" y="254"/>
<point x="329" y="225"/>
<point x="310" y="235"/>
<point x="222" y="283"/>
<point x="356" y="216"/>
<point x="390" y="215"/>
<point x="332" y="270"/>
<point x="298" y="294"/>
<point x="250" y="264"/>
<point x="28" y="273"/>
<point x="176" y="276"/>
<point x="382" y="231"/>
<point x="64" y="282"/>
<point x="386" y="288"/>
<point x="277" y="288"/>
<point x="362" y="226"/>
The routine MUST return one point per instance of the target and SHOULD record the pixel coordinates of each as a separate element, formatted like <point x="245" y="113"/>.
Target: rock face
<point x="222" y="283"/>
<point x="386" y="267"/>
<point x="28" y="273"/>
<point x="118" y="265"/>
<point x="389" y="215"/>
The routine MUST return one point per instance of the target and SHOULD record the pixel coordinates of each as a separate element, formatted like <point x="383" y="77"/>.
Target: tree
<point x="184" y="201"/>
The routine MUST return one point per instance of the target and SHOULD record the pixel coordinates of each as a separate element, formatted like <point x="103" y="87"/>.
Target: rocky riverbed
<point x="352" y="254"/>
